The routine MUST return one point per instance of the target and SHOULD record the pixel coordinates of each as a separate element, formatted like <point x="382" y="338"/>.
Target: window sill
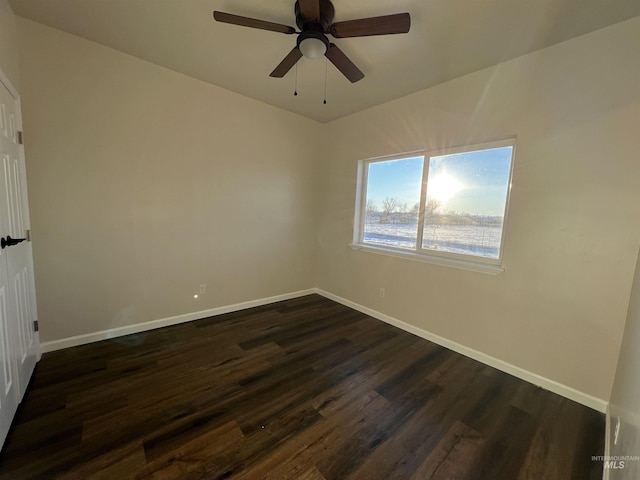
<point x="479" y="267"/>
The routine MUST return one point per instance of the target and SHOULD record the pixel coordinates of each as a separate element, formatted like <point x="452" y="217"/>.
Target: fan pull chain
<point x="325" y="81"/>
<point x="295" y="90"/>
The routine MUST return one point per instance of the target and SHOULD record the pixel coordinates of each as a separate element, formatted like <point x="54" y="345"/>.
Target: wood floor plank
<point x="303" y="389"/>
<point x="117" y="463"/>
<point x="188" y="458"/>
<point x="455" y="455"/>
<point x="323" y="438"/>
<point x="507" y="446"/>
<point x="354" y="450"/>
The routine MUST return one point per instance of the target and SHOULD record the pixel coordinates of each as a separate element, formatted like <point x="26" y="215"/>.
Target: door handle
<point x="8" y="242"/>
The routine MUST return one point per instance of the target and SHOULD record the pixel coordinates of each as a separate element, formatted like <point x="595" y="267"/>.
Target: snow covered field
<point x="483" y="241"/>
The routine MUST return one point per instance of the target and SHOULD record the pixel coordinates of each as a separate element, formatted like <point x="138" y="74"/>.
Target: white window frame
<point x="456" y="260"/>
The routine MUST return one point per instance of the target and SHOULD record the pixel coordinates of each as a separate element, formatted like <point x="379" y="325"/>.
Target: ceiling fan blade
<point x="364" y="27"/>
<point x="285" y="65"/>
<point x="310" y="9"/>
<point x="342" y="63"/>
<point x="252" y="22"/>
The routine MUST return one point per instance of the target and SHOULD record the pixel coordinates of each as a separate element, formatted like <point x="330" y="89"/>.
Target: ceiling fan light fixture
<point x="313" y="48"/>
<point x="312" y="44"/>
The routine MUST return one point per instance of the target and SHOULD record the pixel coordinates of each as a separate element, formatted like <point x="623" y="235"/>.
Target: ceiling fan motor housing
<point x="324" y="22"/>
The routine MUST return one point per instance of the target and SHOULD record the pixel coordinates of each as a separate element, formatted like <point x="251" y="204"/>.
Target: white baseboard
<point x="560" y="389"/>
<point x="546" y="383"/>
<point x="164" y="322"/>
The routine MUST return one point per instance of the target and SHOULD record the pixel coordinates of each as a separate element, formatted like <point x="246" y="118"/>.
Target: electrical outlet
<point x="617" y="431"/>
<point x="203" y="288"/>
<point x="381" y="292"/>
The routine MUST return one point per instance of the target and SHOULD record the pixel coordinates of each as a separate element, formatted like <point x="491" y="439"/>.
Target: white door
<point x="19" y="343"/>
<point x="8" y="387"/>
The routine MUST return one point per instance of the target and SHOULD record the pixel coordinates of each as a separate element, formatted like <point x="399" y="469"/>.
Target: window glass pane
<point x="466" y="201"/>
<point x="393" y="202"/>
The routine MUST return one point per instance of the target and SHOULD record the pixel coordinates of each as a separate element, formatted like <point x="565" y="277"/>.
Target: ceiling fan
<point x="315" y="20"/>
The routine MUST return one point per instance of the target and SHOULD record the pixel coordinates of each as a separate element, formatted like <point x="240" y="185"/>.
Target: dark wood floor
<point x="305" y="389"/>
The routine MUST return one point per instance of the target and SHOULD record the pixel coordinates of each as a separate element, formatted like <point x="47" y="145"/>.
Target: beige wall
<point x="8" y="43"/>
<point x="145" y="183"/>
<point x="625" y="397"/>
<point x="574" y="222"/>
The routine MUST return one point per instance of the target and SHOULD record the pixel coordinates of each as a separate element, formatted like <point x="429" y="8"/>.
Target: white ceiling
<point x="448" y="38"/>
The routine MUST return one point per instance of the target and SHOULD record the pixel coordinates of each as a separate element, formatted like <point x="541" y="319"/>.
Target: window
<point x="447" y="206"/>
